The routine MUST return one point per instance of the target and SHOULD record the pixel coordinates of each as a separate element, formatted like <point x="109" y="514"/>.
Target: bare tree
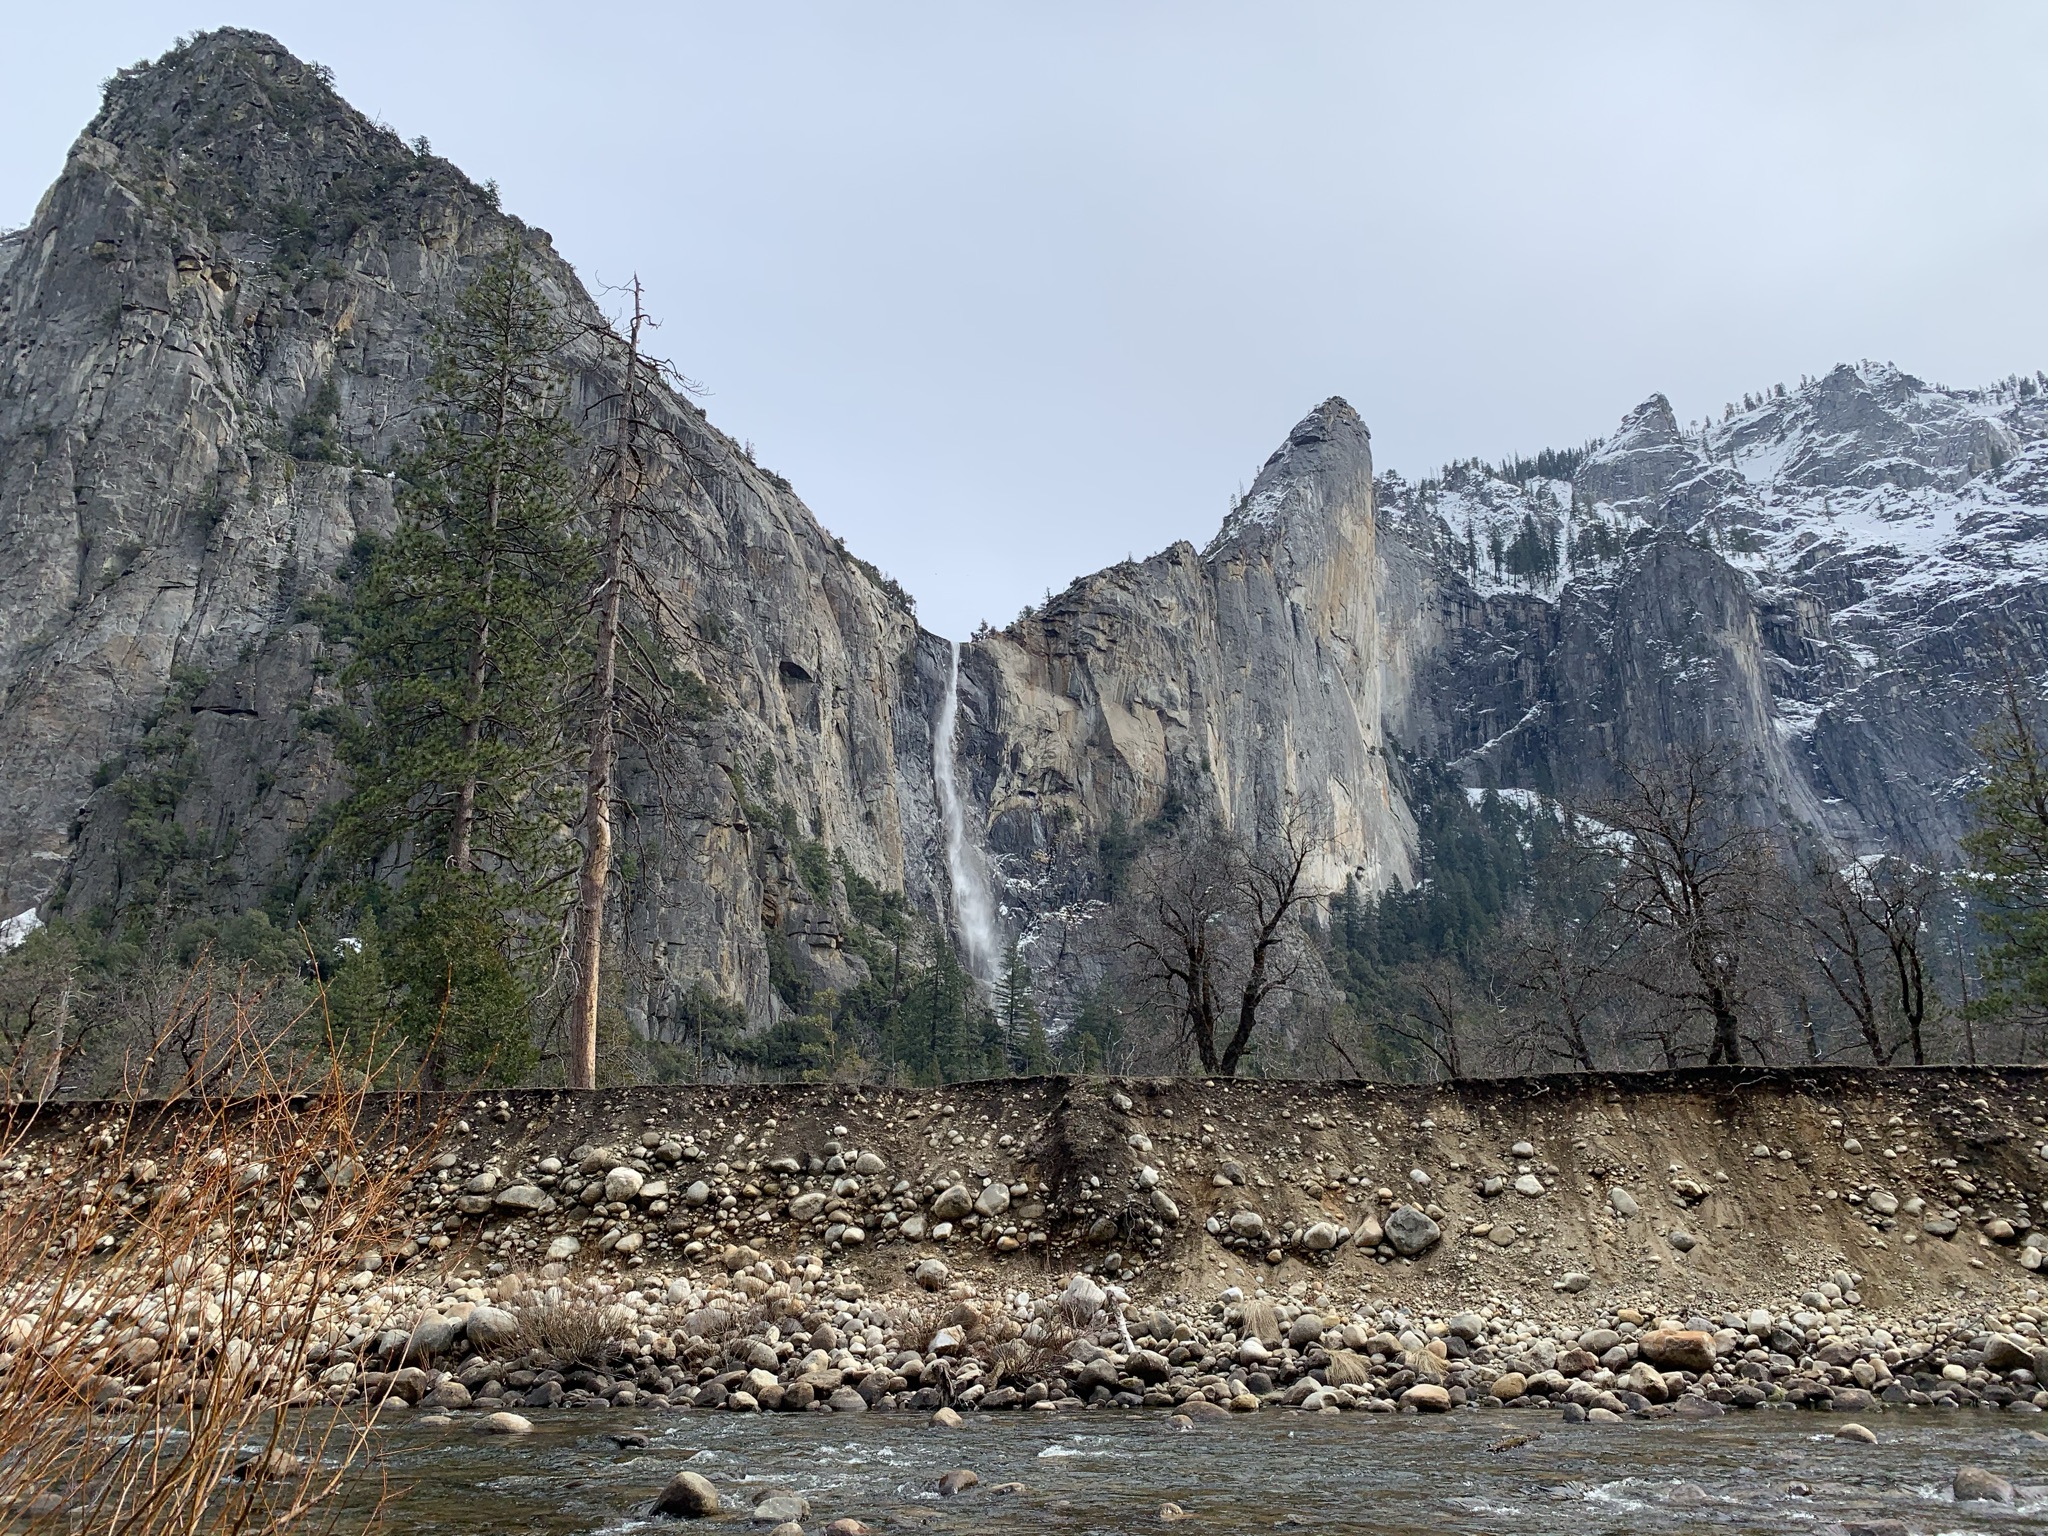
<point x="1211" y="926"/>
<point x="1867" y="927"/>
<point x="1695" y="891"/>
<point x="1561" y="972"/>
<point x="1433" y="1015"/>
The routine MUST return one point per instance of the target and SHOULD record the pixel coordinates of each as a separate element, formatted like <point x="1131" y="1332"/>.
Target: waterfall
<point x="973" y="910"/>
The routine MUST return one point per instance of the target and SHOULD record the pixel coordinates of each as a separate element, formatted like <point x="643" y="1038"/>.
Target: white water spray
<point x="973" y="909"/>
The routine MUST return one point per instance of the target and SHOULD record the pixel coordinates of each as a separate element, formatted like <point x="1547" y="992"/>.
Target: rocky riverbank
<point x="1674" y="1245"/>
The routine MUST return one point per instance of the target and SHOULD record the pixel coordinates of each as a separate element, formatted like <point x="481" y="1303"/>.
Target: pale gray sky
<point x="1012" y="291"/>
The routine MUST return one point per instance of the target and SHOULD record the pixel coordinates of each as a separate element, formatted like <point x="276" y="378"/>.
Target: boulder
<point x="953" y="1202"/>
<point x="623" y="1183"/>
<point x="1411" y="1232"/>
<point x="2004" y="1353"/>
<point x="688" y="1496"/>
<point x="1426" y="1397"/>
<point x="994" y="1200"/>
<point x="491" y="1328"/>
<point x="507" y="1424"/>
<point x="808" y="1206"/>
<point x="1975" y="1484"/>
<point x="1678" y="1349"/>
<point x="782" y="1509"/>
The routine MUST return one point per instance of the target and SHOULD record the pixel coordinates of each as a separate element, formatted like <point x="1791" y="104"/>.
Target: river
<point x="1104" y="1472"/>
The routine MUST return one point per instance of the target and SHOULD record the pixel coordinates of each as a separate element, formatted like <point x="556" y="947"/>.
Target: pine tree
<point x="2009" y="845"/>
<point x="1023" y="1032"/>
<point x="465" y="628"/>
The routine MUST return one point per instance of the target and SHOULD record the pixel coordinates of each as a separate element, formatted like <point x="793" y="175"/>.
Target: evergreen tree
<point x="2009" y="847"/>
<point x="466" y="626"/>
<point x="1024" y="1043"/>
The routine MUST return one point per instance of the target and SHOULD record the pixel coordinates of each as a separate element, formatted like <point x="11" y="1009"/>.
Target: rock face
<point x="1820" y="579"/>
<point x="216" y="329"/>
<point x="1245" y="678"/>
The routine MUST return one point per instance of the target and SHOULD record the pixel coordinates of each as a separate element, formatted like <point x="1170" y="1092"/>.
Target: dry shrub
<point x="167" y="1270"/>
<point x="568" y="1329"/>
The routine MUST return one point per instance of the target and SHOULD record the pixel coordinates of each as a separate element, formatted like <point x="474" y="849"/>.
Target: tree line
<point x="1653" y="927"/>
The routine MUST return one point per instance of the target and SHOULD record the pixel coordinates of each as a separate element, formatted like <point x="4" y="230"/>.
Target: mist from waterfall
<point x="974" y="911"/>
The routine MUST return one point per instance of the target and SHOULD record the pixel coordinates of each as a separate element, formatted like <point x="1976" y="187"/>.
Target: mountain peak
<point x="1321" y="471"/>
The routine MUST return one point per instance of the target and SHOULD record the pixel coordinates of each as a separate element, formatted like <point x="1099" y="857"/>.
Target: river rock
<point x="952" y="1202"/>
<point x="1321" y="1237"/>
<point x="1304" y="1331"/>
<point x="1856" y="1432"/>
<point x="1411" y="1232"/>
<point x="869" y="1164"/>
<point x="932" y="1274"/>
<point x="1678" y="1349"/>
<point x="623" y="1183"/>
<point x="808" y="1206"/>
<point x="1974" y="1483"/>
<point x="1623" y="1202"/>
<point x="959" y="1480"/>
<point x="1426" y="1397"/>
<point x="782" y="1509"/>
<point x="524" y="1198"/>
<point x="1510" y="1386"/>
<point x="1164" y="1208"/>
<point x="994" y="1200"/>
<point x="508" y="1424"/>
<point x="1529" y="1186"/>
<point x="688" y="1496"/>
<point x="1882" y="1201"/>
<point x="490" y="1328"/>
<point x="1248" y="1224"/>
<point x="2005" y="1353"/>
<point x="1082" y="1299"/>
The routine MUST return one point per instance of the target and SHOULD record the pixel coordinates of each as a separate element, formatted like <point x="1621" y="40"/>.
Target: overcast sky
<point x="1012" y="291"/>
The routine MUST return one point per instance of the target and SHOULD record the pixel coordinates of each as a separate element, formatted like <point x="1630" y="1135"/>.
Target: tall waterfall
<point x="973" y="909"/>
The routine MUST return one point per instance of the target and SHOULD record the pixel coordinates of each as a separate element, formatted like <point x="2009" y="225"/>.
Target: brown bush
<point x="164" y="1269"/>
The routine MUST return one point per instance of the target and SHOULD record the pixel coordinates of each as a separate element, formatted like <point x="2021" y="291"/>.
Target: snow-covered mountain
<point x="1840" y="573"/>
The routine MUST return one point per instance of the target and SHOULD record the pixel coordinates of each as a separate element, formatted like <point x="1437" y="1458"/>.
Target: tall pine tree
<point x="1024" y="1043"/>
<point x="466" y="626"/>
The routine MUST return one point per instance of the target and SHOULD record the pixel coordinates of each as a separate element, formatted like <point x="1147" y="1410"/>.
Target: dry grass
<point x="167" y="1269"/>
<point x="568" y="1329"/>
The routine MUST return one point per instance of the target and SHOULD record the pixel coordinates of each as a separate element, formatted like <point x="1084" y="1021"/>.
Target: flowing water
<point x="973" y="910"/>
<point x="1103" y="1472"/>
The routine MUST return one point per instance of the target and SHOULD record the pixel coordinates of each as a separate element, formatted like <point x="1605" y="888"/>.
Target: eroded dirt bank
<point x="1698" y="1188"/>
<point x="1620" y="1244"/>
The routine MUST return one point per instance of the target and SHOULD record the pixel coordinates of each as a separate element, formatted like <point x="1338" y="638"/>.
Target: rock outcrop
<point x="216" y="329"/>
<point x="1245" y="679"/>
